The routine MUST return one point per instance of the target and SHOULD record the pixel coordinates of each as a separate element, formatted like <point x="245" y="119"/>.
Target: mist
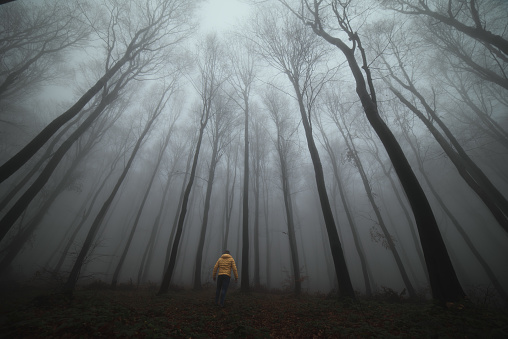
<point x="140" y="141"/>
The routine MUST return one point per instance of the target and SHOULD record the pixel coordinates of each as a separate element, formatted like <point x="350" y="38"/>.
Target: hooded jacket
<point x="225" y="264"/>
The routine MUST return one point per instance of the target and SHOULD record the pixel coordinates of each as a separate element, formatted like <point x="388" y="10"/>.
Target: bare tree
<point x="154" y="111"/>
<point x="241" y="80"/>
<point x="347" y="210"/>
<point x="33" y="37"/>
<point x="159" y="26"/>
<point x="278" y="109"/>
<point x="291" y="48"/>
<point x="221" y="123"/>
<point x="416" y="147"/>
<point x="463" y="16"/>
<point x="212" y="76"/>
<point x="443" y="279"/>
<point x="71" y="173"/>
<point x="133" y="63"/>
<point x="168" y="92"/>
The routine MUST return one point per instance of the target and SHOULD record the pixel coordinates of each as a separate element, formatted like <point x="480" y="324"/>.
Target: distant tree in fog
<point x="169" y="172"/>
<point x="222" y="122"/>
<point x="171" y="89"/>
<point x="32" y="40"/>
<point x="339" y="181"/>
<point x="242" y="78"/>
<point x="68" y="180"/>
<point x="212" y="75"/>
<point x="154" y="111"/>
<point x="259" y="153"/>
<point x="143" y="44"/>
<point x="284" y="141"/>
<point x="337" y="114"/>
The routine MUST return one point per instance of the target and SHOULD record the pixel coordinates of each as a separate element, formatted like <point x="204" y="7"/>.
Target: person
<point x="225" y="264"/>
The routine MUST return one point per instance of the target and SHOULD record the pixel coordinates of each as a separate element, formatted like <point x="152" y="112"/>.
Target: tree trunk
<point x="341" y="270"/>
<point x="174" y="249"/>
<point x="245" y="210"/>
<point x="204" y="223"/>
<point x="352" y="223"/>
<point x="443" y="279"/>
<point x="74" y="275"/>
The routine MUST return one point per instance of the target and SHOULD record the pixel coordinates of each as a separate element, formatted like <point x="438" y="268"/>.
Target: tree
<point x="154" y="111"/>
<point x="284" y="144"/>
<point x="289" y="47"/>
<point x="84" y="146"/>
<point x="212" y="77"/>
<point x="167" y="94"/>
<point x="347" y="210"/>
<point x="443" y="279"/>
<point x="132" y="44"/>
<point x="337" y="113"/>
<point x="467" y="168"/>
<point x="221" y="123"/>
<point x="416" y="147"/>
<point x="241" y="80"/>
<point x="459" y="16"/>
<point x="33" y="37"/>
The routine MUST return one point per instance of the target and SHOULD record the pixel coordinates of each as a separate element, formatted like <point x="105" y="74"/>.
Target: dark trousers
<point x="222" y="288"/>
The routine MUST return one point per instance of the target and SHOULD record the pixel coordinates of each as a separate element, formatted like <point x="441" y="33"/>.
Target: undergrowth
<point x="97" y="311"/>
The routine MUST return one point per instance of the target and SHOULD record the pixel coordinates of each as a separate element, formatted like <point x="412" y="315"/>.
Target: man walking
<point x="224" y="264"/>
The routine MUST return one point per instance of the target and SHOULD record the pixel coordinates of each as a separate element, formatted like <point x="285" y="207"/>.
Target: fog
<point x="170" y="120"/>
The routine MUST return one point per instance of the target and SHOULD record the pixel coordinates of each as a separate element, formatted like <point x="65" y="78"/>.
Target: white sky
<point x="222" y="14"/>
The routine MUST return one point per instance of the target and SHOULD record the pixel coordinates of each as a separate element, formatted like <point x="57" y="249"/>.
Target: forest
<point x="345" y="148"/>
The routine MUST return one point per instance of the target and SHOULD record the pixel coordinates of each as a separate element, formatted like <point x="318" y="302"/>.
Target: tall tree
<point x="170" y="172"/>
<point x="221" y="123"/>
<point x="278" y="109"/>
<point x="347" y="210"/>
<point x="241" y="80"/>
<point x="338" y="114"/>
<point x="83" y="147"/>
<point x="168" y="92"/>
<point x="211" y="78"/>
<point x="443" y="279"/>
<point x="159" y="26"/>
<point x="459" y="16"/>
<point x="33" y="37"/>
<point x="154" y="111"/>
<point x="288" y="46"/>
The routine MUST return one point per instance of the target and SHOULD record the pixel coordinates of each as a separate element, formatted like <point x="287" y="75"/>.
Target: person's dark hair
<point x="226" y="252"/>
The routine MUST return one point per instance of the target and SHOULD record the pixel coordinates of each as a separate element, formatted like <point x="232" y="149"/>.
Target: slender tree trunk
<point x="74" y="275"/>
<point x="351" y="221"/>
<point x="245" y="210"/>
<point x="391" y="245"/>
<point x="22" y="203"/>
<point x="341" y="270"/>
<point x="148" y="252"/>
<point x="178" y="209"/>
<point x="256" y="214"/>
<point x="204" y="223"/>
<point x="174" y="249"/>
<point x="18" y="160"/>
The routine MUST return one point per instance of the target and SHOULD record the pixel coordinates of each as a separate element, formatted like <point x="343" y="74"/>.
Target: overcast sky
<point x="222" y="14"/>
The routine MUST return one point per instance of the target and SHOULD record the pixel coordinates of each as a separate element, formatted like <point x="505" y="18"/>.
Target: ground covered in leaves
<point x="140" y="313"/>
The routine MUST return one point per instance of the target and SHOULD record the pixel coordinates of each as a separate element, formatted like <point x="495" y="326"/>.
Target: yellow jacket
<point x="225" y="264"/>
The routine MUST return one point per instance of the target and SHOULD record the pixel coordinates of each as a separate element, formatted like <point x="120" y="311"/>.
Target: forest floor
<point x="139" y="313"/>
